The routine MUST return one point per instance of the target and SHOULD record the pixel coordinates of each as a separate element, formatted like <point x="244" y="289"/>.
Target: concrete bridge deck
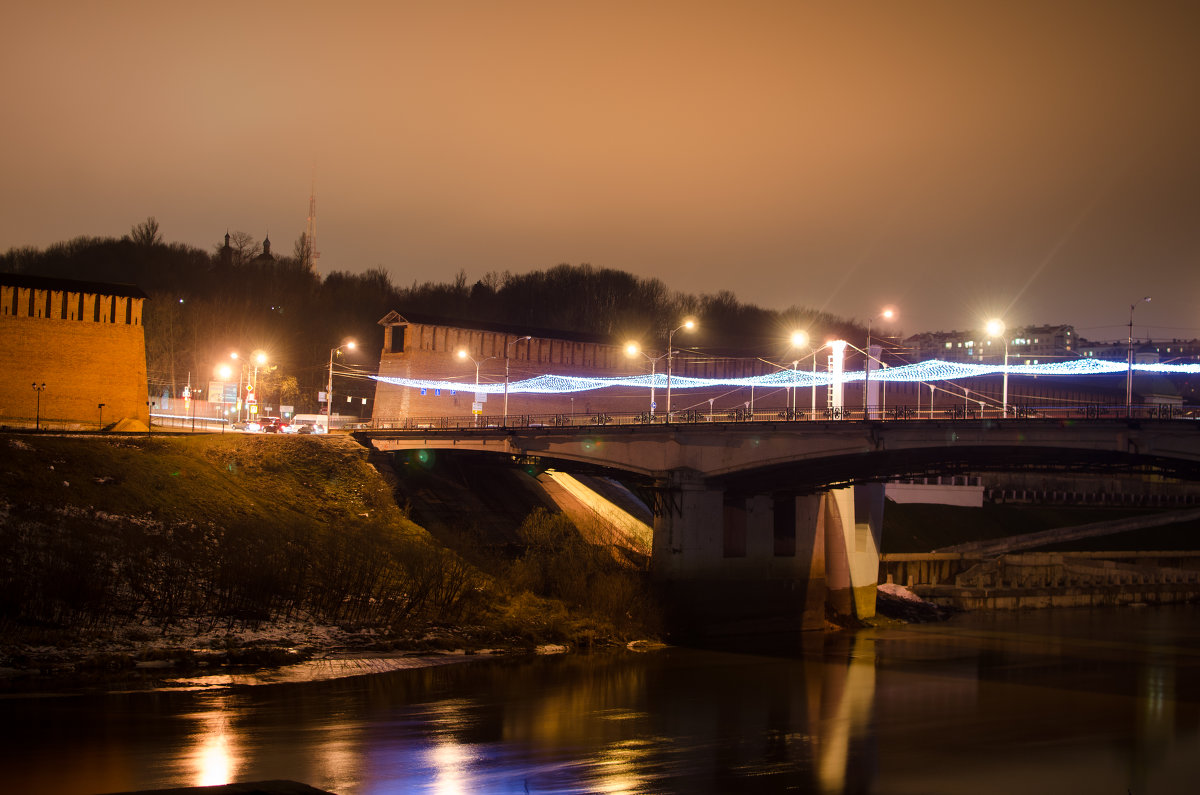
<point x="811" y="455"/>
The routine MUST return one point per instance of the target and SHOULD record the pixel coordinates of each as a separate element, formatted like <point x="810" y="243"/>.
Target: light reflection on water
<point x="1095" y="701"/>
<point x="215" y="758"/>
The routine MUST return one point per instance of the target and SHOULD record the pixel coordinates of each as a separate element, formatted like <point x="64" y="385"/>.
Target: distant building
<point x="1026" y="345"/>
<point x="265" y="255"/>
<point x="83" y="340"/>
<point x="1173" y="351"/>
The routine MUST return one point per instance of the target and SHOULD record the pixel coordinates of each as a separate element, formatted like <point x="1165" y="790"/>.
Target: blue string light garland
<point x="924" y="372"/>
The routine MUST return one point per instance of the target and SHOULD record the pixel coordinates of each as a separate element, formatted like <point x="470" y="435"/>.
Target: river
<point x="1055" y="701"/>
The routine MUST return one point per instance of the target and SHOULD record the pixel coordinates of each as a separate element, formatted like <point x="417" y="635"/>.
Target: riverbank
<point x="132" y="559"/>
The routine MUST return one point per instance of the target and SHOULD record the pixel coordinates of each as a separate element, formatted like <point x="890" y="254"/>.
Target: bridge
<point x="761" y="521"/>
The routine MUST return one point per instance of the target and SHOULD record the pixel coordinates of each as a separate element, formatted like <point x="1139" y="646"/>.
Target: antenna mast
<point x="310" y="231"/>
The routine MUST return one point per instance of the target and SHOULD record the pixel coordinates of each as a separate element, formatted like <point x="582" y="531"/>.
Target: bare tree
<point x="146" y="233"/>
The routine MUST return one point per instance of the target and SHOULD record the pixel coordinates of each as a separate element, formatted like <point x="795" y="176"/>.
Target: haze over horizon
<point x="1035" y="161"/>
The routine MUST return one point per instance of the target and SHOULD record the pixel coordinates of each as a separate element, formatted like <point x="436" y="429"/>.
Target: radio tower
<point x="310" y="232"/>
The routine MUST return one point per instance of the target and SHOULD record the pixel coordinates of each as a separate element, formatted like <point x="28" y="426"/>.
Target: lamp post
<point x="194" y="391"/>
<point x="37" y="416"/>
<point x="633" y="349"/>
<point x="799" y="340"/>
<point x="224" y="372"/>
<point x="688" y="324"/>
<point x="995" y="328"/>
<point x="1129" y="356"/>
<point x="506" y="347"/>
<point x="886" y="314"/>
<point x="237" y="396"/>
<point x="349" y="345"/>
<point x="462" y="354"/>
<point x="100" y="408"/>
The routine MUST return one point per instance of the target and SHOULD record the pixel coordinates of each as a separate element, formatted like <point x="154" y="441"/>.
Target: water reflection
<point x="214" y="757"/>
<point x="848" y="696"/>
<point x="1034" y="703"/>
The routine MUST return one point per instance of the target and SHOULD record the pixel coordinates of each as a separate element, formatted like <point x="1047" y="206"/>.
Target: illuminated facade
<point x="1026" y="345"/>
<point x="83" y="340"/>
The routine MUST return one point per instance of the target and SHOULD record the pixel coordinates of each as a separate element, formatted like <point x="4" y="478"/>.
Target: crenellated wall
<point x="83" y="340"/>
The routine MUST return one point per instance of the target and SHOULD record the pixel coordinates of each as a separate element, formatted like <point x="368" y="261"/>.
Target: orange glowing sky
<point x="954" y="159"/>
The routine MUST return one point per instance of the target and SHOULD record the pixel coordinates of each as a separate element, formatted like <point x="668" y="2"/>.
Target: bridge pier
<point x="731" y="562"/>
<point x="852" y="520"/>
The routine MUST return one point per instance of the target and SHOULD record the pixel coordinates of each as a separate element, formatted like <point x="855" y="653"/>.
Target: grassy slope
<point x="225" y="479"/>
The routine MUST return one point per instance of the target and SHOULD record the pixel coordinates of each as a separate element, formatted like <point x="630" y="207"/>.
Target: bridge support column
<point x="737" y="563"/>
<point x="852" y="521"/>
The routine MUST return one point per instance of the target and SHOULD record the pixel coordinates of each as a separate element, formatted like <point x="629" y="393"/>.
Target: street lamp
<point x="259" y="358"/>
<point x="194" y="392"/>
<point x="887" y="314"/>
<point x="633" y="349"/>
<point x="462" y="354"/>
<point x="688" y="324"/>
<point x="799" y="340"/>
<point x="224" y="372"/>
<point x="995" y="328"/>
<point x="348" y="345"/>
<point x="37" y="417"/>
<point x="1129" y="371"/>
<point x="237" y="403"/>
<point x="506" y="347"/>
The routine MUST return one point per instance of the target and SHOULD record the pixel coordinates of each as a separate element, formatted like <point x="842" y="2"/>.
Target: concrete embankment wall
<point x="1089" y="489"/>
<point x="1046" y="579"/>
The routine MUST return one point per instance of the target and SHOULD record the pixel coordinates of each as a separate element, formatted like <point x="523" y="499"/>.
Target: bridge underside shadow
<point x="814" y="475"/>
<point x="784" y="546"/>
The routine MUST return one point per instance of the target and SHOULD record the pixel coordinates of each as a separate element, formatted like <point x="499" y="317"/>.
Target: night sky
<point x="957" y="160"/>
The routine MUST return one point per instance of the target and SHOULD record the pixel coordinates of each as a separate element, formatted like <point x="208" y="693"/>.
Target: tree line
<point x="205" y="304"/>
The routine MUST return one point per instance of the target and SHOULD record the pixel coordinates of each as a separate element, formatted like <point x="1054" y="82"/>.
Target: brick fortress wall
<point x="87" y="347"/>
<point x="429" y="351"/>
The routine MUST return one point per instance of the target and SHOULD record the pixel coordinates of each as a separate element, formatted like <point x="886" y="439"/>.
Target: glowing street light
<point x="526" y="338"/>
<point x="633" y="349"/>
<point x="995" y="328"/>
<point x="688" y="324"/>
<point x="348" y="345"/>
<point x="1129" y="370"/>
<point x="800" y="340"/>
<point x="886" y="314"/>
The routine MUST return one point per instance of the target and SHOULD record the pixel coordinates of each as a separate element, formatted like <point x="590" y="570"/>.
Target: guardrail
<point x="683" y="417"/>
<point x="744" y="415"/>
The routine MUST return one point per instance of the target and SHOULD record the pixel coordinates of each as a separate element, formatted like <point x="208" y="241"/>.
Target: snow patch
<point x="900" y="592"/>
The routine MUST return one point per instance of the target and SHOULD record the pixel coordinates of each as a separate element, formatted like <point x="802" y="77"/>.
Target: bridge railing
<point x="965" y="413"/>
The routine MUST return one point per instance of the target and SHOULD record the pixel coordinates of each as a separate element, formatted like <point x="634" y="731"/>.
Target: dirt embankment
<point x="150" y="557"/>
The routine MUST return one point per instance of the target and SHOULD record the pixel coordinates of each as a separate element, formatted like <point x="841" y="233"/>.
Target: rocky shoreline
<point x="193" y="656"/>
